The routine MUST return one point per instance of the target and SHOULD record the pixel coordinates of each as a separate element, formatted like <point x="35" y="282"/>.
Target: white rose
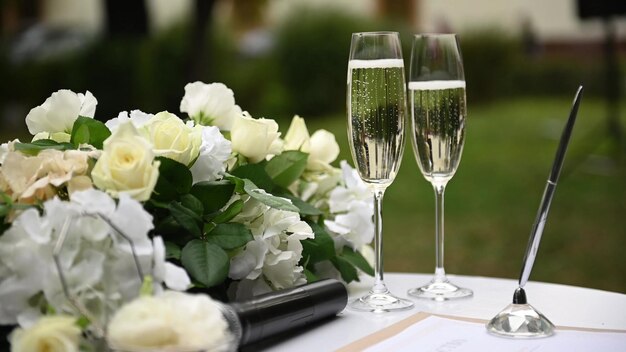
<point x="126" y="165"/>
<point x="137" y="117"/>
<point x="59" y="111"/>
<point x="173" y="320"/>
<point x="255" y="138"/>
<point x="172" y="138"/>
<point x="49" y="334"/>
<point x="210" y="104"/>
<point x="297" y="134"/>
<point x="323" y="150"/>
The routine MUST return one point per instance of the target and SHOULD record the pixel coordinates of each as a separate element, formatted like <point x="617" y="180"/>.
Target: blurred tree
<point x="607" y="10"/>
<point x="126" y="18"/>
<point x="403" y="10"/>
<point x="16" y="15"/>
<point x="248" y="15"/>
<point x="198" y="56"/>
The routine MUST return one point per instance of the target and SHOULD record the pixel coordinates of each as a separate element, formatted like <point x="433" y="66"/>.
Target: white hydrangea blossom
<point x="92" y="254"/>
<point x="271" y="259"/>
<point x="352" y="206"/>
<point x="215" y="150"/>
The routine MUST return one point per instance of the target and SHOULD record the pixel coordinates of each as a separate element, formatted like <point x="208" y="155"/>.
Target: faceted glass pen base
<point x="520" y="321"/>
<point x="380" y="303"/>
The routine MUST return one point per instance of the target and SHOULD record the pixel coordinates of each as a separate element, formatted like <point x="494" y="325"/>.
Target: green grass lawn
<point x="492" y="201"/>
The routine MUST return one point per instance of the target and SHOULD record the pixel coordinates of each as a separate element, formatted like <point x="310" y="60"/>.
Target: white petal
<point x="94" y="201"/>
<point x="214" y="152"/>
<point x="135" y="222"/>
<point x="30" y="221"/>
<point x="88" y="104"/>
<point x="248" y="263"/>
<point x="176" y="277"/>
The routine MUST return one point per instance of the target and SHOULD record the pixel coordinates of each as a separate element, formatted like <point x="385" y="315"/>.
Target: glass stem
<point x="379" y="285"/>
<point x="440" y="273"/>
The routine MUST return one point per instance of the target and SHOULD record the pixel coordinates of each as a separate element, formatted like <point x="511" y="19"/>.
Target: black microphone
<point x="280" y="311"/>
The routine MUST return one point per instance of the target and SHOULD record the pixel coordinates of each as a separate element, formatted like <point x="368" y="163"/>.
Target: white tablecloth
<point x="563" y="305"/>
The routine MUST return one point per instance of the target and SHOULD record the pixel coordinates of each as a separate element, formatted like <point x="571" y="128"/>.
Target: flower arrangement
<point x="216" y="201"/>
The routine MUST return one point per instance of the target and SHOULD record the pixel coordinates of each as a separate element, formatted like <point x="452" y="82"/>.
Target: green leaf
<point x="267" y="198"/>
<point x="238" y="182"/>
<point x="192" y="203"/>
<point x="174" y="180"/>
<point x="35" y="147"/>
<point x="172" y="251"/>
<point x="213" y="194"/>
<point x="187" y="218"/>
<point x="287" y="167"/>
<point x="4" y="210"/>
<point x="319" y="248"/>
<point x="310" y="277"/>
<point x="257" y="174"/>
<point x="304" y="207"/>
<point x="82" y="322"/>
<point x="229" y="213"/>
<point x="230" y="235"/>
<point x="168" y="225"/>
<point x="356" y="258"/>
<point x="347" y="271"/>
<point x="5" y="198"/>
<point x="208" y="227"/>
<point x="90" y="131"/>
<point x="205" y="262"/>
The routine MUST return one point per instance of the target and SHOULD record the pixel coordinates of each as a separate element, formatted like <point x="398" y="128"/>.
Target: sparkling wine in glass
<point x="438" y="112"/>
<point x="376" y="103"/>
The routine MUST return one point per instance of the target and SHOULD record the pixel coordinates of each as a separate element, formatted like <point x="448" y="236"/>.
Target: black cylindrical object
<point x="280" y="311"/>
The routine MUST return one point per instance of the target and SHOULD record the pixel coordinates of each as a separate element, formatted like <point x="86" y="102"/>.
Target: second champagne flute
<point x="376" y="102"/>
<point x="438" y="111"/>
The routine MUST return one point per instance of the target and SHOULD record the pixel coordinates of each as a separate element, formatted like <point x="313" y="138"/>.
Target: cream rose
<point x="174" y="139"/>
<point x="297" y="135"/>
<point x="323" y="150"/>
<point x="55" y="117"/>
<point x="49" y="334"/>
<point x="126" y="165"/>
<point x="171" y="321"/>
<point x="255" y="138"/>
<point x="210" y="104"/>
<point x="322" y="146"/>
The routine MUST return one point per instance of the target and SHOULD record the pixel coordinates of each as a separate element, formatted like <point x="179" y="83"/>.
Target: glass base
<point x="380" y="303"/>
<point x="440" y="290"/>
<point x="520" y="321"/>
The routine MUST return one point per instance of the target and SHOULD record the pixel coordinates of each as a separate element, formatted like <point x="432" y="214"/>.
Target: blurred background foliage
<point x="518" y="90"/>
<point x="299" y="73"/>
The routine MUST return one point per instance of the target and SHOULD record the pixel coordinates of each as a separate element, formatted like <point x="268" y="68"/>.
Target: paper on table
<point x="439" y="334"/>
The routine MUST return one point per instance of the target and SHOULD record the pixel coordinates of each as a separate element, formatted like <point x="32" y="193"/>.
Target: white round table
<point x="564" y="305"/>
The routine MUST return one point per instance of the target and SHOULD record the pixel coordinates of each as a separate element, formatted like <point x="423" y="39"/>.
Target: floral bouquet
<point x="216" y="202"/>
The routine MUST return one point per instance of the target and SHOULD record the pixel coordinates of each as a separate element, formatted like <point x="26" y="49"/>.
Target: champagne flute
<point x="438" y="111"/>
<point x="376" y="102"/>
